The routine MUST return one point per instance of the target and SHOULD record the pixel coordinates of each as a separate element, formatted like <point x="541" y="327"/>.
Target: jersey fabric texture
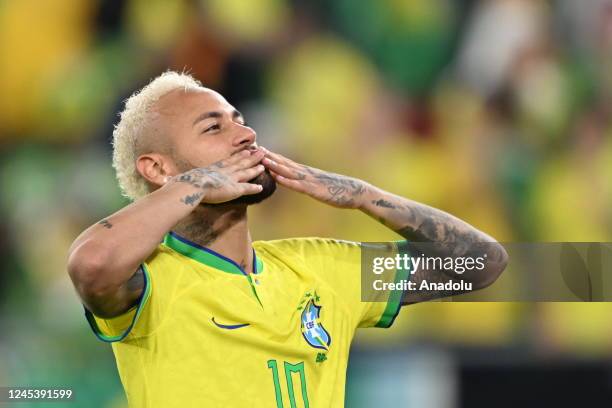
<point x="206" y="333"/>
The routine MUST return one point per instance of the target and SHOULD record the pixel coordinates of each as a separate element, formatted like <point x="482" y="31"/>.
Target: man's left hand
<point x="330" y="188"/>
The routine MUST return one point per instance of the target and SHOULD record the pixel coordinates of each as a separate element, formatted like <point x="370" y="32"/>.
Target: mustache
<point x="252" y="148"/>
<point x="186" y="165"/>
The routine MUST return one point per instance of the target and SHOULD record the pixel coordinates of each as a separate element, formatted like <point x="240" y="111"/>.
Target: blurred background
<point x="497" y="111"/>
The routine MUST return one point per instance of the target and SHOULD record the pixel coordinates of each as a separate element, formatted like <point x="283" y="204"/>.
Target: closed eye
<point x="213" y="127"/>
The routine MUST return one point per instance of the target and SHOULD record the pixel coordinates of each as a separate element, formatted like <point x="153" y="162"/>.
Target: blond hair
<point x="130" y="130"/>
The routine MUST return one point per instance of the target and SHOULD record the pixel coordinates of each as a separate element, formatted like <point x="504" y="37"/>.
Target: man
<point x="208" y="317"/>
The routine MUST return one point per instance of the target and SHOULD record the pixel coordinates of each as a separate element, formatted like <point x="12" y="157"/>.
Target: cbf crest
<point x="312" y="329"/>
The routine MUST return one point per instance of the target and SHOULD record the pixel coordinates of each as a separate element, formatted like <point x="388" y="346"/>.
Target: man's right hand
<point x="224" y="180"/>
<point x="103" y="259"/>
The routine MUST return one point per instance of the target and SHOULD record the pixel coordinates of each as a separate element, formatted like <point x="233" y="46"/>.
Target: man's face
<point x="203" y="128"/>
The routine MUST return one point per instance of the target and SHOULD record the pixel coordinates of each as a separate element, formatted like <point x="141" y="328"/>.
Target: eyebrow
<point x="216" y="114"/>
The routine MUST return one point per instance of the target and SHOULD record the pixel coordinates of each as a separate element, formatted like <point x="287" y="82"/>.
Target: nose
<point x="245" y="136"/>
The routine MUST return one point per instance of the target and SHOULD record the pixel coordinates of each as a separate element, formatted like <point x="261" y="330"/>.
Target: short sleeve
<point x="340" y="266"/>
<point x="118" y="328"/>
<point x="164" y="271"/>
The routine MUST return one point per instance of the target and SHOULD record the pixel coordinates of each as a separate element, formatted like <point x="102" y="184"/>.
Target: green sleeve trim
<point x="394" y="303"/>
<point x="146" y="293"/>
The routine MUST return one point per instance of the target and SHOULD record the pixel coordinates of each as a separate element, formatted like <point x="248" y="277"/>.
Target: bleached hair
<point x="133" y="124"/>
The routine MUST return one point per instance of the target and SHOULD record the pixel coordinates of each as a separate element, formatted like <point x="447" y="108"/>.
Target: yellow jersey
<point x="207" y="334"/>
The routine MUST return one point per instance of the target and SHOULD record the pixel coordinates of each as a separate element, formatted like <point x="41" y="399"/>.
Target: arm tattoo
<point x="434" y="233"/>
<point x="448" y="235"/>
<point x="136" y="282"/>
<point x="192" y="199"/>
<point x="383" y="203"/>
<point x="106" y="224"/>
<point x="440" y="229"/>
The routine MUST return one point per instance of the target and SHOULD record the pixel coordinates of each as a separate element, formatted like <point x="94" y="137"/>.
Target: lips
<point x="252" y="149"/>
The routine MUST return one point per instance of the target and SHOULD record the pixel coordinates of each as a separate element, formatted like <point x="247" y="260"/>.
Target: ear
<point x="155" y="168"/>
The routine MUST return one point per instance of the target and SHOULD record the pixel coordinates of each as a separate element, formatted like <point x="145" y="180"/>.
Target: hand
<point x="224" y="180"/>
<point x="334" y="189"/>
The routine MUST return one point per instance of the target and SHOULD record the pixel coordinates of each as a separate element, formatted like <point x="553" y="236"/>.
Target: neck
<point x="223" y="229"/>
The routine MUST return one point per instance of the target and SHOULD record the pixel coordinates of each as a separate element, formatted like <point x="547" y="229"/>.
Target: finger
<point x="284" y="170"/>
<point x="277" y="167"/>
<point x="250" y="188"/>
<point x="251" y="160"/>
<point x="277" y="157"/>
<point x="232" y="160"/>
<point x="295" y="185"/>
<point x="248" y="174"/>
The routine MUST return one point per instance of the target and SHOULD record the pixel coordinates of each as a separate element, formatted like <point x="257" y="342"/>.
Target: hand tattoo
<point x="192" y="199"/>
<point x="203" y="177"/>
<point x="342" y="190"/>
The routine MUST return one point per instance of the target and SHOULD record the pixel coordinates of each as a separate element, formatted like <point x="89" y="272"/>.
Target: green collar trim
<point x="207" y="256"/>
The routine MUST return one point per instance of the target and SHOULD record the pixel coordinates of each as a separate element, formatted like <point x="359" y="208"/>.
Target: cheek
<point x="202" y="155"/>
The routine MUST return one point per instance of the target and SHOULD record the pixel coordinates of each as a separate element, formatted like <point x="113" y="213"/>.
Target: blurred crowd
<point x="497" y="111"/>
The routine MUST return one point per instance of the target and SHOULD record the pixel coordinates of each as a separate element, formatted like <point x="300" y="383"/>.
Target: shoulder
<point x="167" y="268"/>
<point x="162" y="258"/>
<point x="302" y="242"/>
<point x="305" y="246"/>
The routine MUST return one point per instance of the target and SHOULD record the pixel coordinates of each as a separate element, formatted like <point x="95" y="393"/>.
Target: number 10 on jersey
<point x="289" y="370"/>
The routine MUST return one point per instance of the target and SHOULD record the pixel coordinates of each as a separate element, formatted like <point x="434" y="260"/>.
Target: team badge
<point x="312" y="329"/>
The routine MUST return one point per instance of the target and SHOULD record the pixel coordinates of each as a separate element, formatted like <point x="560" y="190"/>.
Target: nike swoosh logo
<point x="229" y="326"/>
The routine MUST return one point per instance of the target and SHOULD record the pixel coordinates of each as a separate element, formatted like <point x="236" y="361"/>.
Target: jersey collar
<point x="207" y="256"/>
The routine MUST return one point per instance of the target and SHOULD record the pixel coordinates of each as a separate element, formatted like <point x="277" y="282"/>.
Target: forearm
<point x="108" y="253"/>
<point x="431" y="232"/>
<point x="419" y="222"/>
<point x="435" y="232"/>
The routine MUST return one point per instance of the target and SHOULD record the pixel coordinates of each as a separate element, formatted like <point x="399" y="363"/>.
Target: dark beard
<point x="266" y="180"/>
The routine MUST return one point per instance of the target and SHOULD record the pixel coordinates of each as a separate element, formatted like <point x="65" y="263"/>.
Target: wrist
<point x="180" y="189"/>
<point x="366" y="197"/>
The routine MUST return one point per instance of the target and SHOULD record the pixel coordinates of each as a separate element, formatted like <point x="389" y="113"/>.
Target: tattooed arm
<point x="436" y="234"/>
<point x="428" y="231"/>
<point x="104" y="261"/>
